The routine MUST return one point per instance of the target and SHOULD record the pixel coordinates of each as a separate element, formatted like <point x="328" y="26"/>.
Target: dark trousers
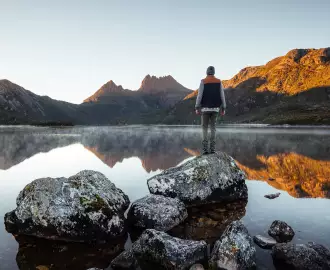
<point x="209" y="119"/>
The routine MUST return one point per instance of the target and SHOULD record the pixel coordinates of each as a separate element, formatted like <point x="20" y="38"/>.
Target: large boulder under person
<point x="205" y="179"/>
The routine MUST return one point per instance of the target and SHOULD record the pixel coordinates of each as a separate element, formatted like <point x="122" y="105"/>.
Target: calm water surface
<point x="295" y="162"/>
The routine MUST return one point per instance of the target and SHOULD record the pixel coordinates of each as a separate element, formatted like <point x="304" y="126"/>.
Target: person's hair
<point x="210" y="70"/>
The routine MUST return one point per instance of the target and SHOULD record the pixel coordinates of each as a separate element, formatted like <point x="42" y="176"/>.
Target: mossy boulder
<point x="206" y="179"/>
<point x="158" y="250"/>
<point x="157" y="212"/>
<point x="84" y="207"/>
<point x="234" y="250"/>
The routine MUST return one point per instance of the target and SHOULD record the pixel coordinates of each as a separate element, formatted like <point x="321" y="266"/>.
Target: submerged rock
<point x="158" y="250"/>
<point x="264" y="241"/>
<point x="157" y="212"/>
<point x="234" y="250"/>
<point x="125" y="260"/>
<point x="197" y="267"/>
<point x="33" y="252"/>
<point x="205" y="179"/>
<point x="272" y="196"/>
<point x="83" y="207"/>
<point x="208" y="222"/>
<point x="301" y="256"/>
<point x="281" y="231"/>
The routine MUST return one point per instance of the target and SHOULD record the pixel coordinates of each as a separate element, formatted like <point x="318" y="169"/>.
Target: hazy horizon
<point x="69" y="50"/>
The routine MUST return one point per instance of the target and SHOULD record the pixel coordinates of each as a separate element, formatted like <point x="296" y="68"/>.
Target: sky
<point x="69" y="49"/>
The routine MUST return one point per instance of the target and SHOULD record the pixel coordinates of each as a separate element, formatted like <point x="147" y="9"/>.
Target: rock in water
<point x="234" y="250"/>
<point x="264" y="242"/>
<point x="281" y="231"/>
<point x="207" y="222"/>
<point x="197" y="267"/>
<point x="84" y="207"/>
<point x="157" y="212"/>
<point x="272" y="196"/>
<point x="158" y="250"/>
<point x="34" y="251"/>
<point x="125" y="260"/>
<point x="205" y="179"/>
<point x="301" y="256"/>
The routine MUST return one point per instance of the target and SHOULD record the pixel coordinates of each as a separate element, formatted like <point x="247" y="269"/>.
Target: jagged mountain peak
<point x="110" y="86"/>
<point x="162" y="83"/>
<point x="106" y="89"/>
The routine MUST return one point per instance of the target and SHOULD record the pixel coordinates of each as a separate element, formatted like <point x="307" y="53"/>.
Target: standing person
<point x="209" y="103"/>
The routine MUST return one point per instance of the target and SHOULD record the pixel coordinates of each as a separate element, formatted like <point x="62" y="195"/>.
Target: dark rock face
<point x="325" y="57"/>
<point x="205" y="179"/>
<point x="157" y="212"/>
<point x="264" y="241"/>
<point x="272" y="196"/>
<point x="297" y="54"/>
<point x="309" y="256"/>
<point x="125" y="260"/>
<point x="197" y="267"/>
<point x="234" y="250"/>
<point x="281" y="231"/>
<point x="158" y="250"/>
<point x="84" y="207"/>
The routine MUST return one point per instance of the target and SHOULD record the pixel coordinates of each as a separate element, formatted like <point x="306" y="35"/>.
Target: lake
<point x="292" y="161"/>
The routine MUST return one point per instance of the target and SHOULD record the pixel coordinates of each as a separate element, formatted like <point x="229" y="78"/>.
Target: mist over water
<point x="293" y="161"/>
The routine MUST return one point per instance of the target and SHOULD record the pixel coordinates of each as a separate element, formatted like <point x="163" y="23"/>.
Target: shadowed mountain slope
<point x="291" y="89"/>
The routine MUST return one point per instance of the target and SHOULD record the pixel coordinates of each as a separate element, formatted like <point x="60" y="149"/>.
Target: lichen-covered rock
<point x="309" y="256"/>
<point x="157" y="212"/>
<point x="125" y="260"/>
<point x="158" y="250"/>
<point x="205" y="179"/>
<point x="264" y="241"/>
<point x="234" y="250"/>
<point x="281" y="231"/>
<point x="83" y="207"/>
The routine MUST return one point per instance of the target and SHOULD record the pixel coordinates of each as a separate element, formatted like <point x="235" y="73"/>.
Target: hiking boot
<point x="205" y="153"/>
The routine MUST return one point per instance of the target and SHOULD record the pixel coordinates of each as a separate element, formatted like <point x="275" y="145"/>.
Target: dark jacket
<point x="210" y="94"/>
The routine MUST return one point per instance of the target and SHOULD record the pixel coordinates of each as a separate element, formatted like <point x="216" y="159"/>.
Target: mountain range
<point x="290" y="89"/>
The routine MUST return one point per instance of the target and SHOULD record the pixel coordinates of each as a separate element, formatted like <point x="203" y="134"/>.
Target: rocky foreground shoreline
<point x="190" y="220"/>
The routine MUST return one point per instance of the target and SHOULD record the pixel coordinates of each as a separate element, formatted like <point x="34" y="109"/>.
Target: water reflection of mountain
<point x="16" y="146"/>
<point x="300" y="176"/>
<point x="157" y="149"/>
<point x="163" y="148"/>
<point x="297" y="161"/>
